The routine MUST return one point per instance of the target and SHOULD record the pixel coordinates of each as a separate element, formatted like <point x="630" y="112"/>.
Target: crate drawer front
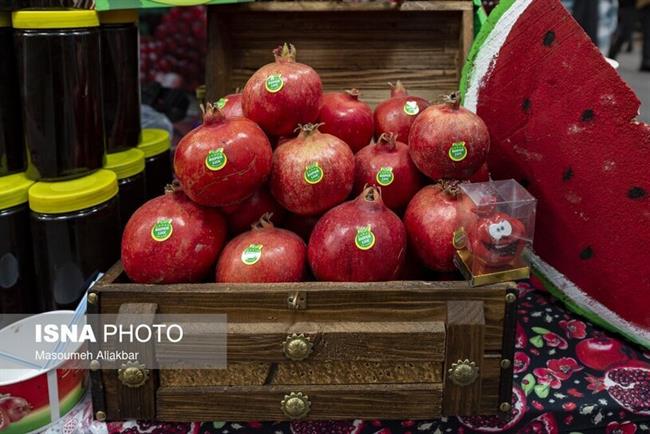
<point x="422" y="341"/>
<point x="410" y="401"/>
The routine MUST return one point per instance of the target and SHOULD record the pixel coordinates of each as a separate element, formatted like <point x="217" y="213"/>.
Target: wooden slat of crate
<point x="364" y="45"/>
<point x="307" y="372"/>
<point x="416" y="401"/>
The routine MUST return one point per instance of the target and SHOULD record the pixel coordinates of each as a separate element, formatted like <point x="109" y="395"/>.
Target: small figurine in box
<point x="492" y="240"/>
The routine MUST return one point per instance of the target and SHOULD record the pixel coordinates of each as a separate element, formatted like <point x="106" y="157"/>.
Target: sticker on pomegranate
<point x="216" y="160"/>
<point x="221" y="103"/>
<point x="458" y="151"/>
<point x="162" y="230"/>
<point x="385" y="176"/>
<point x="274" y="83"/>
<point x="365" y="239"/>
<point x="252" y="254"/>
<point x="459" y="239"/>
<point x="313" y="173"/>
<point x="411" y="108"/>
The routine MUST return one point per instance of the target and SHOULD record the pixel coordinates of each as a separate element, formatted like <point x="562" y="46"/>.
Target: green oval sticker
<point x="385" y="176"/>
<point x="313" y="174"/>
<point x="216" y="159"/>
<point x="221" y="103"/>
<point x="365" y="238"/>
<point x="162" y="230"/>
<point x="252" y="254"/>
<point x="274" y="83"/>
<point x="458" y="151"/>
<point x="411" y="108"/>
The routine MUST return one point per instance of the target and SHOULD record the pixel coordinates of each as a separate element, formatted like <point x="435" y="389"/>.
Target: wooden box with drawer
<point x="321" y="351"/>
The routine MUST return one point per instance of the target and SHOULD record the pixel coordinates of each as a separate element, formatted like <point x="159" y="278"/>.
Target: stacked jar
<point x="74" y="205"/>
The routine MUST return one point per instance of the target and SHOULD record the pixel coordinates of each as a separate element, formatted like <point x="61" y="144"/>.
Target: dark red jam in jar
<point x="129" y="166"/>
<point x="120" y="79"/>
<point x="59" y="71"/>
<point x="12" y="150"/>
<point x="17" y="294"/>
<point x="76" y="235"/>
<point x="156" y="146"/>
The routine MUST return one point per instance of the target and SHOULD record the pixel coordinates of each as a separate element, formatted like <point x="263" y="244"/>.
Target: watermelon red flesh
<point x="562" y="122"/>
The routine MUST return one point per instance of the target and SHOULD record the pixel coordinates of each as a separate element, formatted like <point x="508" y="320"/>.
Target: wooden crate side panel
<point x="348" y="49"/>
<point x="338" y="372"/>
<point x="414" y="401"/>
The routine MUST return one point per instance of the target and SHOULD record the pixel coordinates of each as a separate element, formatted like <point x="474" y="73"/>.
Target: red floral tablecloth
<point x="569" y="377"/>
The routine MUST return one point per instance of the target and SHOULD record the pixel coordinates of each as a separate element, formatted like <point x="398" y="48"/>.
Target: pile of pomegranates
<point x="345" y="193"/>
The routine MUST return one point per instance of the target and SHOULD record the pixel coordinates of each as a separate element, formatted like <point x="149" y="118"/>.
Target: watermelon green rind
<point x="560" y="287"/>
<point x="479" y="40"/>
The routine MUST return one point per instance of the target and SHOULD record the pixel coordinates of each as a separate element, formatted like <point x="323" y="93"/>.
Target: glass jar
<point x="16" y="266"/>
<point x="156" y="147"/>
<point x="12" y="150"/>
<point x="76" y="235"/>
<point x="59" y="71"/>
<point x="129" y="166"/>
<point x="120" y="78"/>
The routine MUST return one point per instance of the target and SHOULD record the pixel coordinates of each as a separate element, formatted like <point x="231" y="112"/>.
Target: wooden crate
<point x="363" y="45"/>
<point x="380" y="350"/>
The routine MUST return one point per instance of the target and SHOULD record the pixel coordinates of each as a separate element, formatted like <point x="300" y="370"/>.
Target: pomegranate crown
<point x="371" y="193"/>
<point x="264" y="222"/>
<point x="308" y="129"/>
<point x="450" y="187"/>
<point x="354" y="93"/>
<point x="285" y="53"/>
<point x="397" y="89"/>
<point x="387" y="141"/>
<point x="211" y="114"/>
<point x="452" y="100"/>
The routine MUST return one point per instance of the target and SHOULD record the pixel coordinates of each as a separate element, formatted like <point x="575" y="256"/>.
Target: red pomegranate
<point x="601" y="352"/>
<point x="628" y="384"/>
<point x="223" y="161"/>
<point x="301" y="225"/>
<point x="170" y="239"/>
<point x="387" y="165"/>
<point x="543" y="424"/>
<point x="481" y="175"/>
<point x="358" y="241"/>
<point x="5" y="420"/>
<point x="283" y="94"/>
<point x="230" y="106"/>
<point x="448" y="141"/>
<point x="312" y="173"/>
<point x="396" y="114"/>
<point x="15" y="407"/>
<point x="431" y="218"/>
<point x="240" y="217"/>
<point x="499" y="423"/>
<point x="343" y="115"/>
<point x="265" y="254"/>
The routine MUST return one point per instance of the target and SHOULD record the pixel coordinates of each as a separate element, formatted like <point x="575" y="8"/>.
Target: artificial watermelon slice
<point x="562" y="122"/>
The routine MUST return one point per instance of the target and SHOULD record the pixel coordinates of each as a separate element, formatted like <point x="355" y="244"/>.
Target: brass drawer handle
<point x="297" y="347"/>
<point x="295" y="405"/>
<point x="463" y="372"/>
<point x="133" y="374"/>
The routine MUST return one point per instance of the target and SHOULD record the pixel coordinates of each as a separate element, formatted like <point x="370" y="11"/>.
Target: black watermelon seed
<point x="587" y="115"/>
<point x="524" y="182"/>
<point x="526" y="105"/>
<point x="568" y="174"/>
<point x="587" y="253"/>
<point x="636" y="193"/>
<point x="549" y="37"/>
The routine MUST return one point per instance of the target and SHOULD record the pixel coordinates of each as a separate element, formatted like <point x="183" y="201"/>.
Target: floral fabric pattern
<point x="569" y="376"/>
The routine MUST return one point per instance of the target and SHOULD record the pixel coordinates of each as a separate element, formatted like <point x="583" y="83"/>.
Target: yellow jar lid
<point x="126" y="163"/>
<point x="13" y="190"/>
<point x="154" y="141"/>
<point x="124" y="16"/>
<point x="5" y="19"/>
<point x="75" y="195"/>
<point x="55" y="19"/>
